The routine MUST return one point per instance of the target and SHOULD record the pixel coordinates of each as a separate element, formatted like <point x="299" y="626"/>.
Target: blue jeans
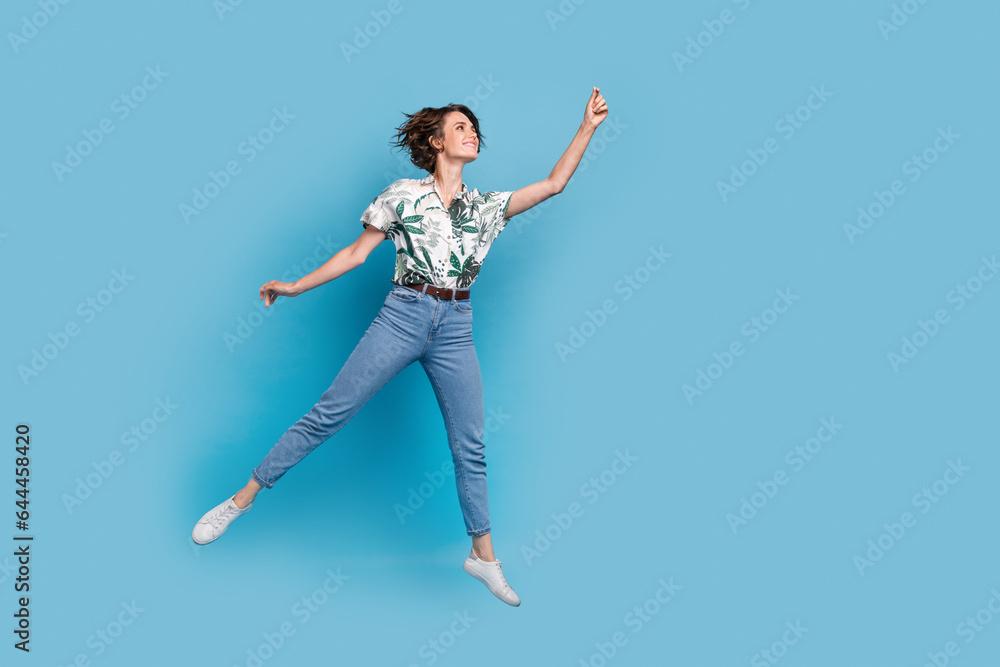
<point x="411" y="325"/>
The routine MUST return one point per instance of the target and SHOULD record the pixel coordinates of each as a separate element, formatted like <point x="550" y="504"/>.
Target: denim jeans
<point x="411" y="325"/>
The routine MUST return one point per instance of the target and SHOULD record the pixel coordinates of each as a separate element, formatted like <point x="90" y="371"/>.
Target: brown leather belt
<point x="439" y="292"/>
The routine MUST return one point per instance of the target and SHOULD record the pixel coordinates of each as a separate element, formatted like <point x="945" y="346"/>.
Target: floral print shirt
<point x="443" y="248"/>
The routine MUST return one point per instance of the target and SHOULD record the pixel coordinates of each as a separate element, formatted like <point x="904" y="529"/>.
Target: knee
<point x="473" y="461"/>
<point x="473" y="448"/>
<point x="321" y="420"/>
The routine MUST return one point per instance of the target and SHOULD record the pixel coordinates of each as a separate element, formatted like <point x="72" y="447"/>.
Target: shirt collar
<point x="429" y="180"/>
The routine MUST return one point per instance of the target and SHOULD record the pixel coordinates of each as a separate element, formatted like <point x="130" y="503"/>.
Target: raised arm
<point x="342" y="261"/>
<point x="536" y="193"/>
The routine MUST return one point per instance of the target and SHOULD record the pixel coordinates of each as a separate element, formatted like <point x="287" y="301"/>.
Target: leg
<point x="390" y="344"/>
<point x="452" y="366"/>
<point x="453" y="370"/>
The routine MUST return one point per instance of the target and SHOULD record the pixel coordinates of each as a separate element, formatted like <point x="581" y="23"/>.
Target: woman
<point x="442" y="232"/>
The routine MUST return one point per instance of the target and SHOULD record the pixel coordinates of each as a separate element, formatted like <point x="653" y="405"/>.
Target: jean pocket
<point x="403" y="294"/>
<point x="463" y="305"/>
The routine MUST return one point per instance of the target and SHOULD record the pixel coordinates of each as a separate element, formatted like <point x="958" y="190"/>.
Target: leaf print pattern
<point x="469" y="271"/>
<point x="434" y="245"/>
<point x="427" y="256"/>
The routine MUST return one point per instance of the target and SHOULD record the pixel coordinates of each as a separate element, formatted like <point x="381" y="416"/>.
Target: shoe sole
<point x="209" y="541"/>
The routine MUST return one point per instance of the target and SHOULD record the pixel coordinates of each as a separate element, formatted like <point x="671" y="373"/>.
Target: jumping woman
<point x="442" y="231"/>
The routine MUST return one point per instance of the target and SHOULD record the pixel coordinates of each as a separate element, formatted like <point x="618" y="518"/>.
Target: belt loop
<point x="423" y="288"/>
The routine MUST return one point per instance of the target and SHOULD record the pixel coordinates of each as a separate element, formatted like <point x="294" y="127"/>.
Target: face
<point x="460" y="139"/>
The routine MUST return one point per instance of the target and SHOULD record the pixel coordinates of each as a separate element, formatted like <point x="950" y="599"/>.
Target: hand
<point x="597" y="109"/>
<point x="270" y="291"/>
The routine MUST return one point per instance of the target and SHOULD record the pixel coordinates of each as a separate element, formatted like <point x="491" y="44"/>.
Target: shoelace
<point x="503" y="579"/>
<point x="217" y="520"/>
<point x="496" y="563"/>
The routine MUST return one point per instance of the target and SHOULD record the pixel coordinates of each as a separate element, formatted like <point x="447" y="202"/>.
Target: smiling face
<point x="460" y="139"/>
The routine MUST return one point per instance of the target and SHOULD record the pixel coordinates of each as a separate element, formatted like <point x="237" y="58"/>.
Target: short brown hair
<point x="414" y="135"/>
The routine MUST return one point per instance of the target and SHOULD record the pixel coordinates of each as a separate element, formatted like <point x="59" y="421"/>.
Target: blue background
<point x="673" y="133"/>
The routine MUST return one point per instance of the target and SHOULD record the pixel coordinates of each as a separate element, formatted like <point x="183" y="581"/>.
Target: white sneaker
<point x="489" y="572"/>
<point x="211" y="526"/>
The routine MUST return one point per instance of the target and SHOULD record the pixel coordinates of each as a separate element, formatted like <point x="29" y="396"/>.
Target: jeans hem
<point x="260" y="480"/>
<point x="477" y="533"/>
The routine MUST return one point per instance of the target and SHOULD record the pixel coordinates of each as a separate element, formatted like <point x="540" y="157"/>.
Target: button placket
<point x="447" y="209"/>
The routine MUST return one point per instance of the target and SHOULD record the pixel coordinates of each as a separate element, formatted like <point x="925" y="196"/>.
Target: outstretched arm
<point x="536" y="193"/>
<point x="344" y="260"/>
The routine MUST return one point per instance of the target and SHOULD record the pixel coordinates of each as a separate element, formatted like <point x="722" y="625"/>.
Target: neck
<point x="448" y="176"/>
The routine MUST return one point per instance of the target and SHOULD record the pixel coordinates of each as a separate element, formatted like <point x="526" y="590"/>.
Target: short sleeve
<point x="493" y="212"/>
<point x="381" y="213"/>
